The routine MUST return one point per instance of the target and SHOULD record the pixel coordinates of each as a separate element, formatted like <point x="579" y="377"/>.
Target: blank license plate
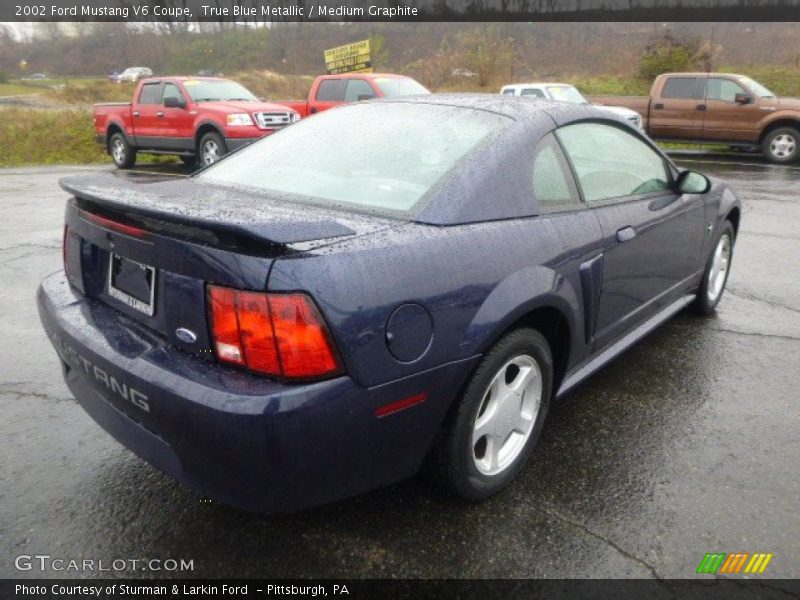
<point x="132" y="283"/>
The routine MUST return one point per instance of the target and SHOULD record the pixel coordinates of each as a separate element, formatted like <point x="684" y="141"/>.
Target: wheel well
<point x="733" y="217"/>
<point x="112" y="129"/>
<point x="781" y="123"/>
<point x="553" y="325"/>
<point x="204" y="129"/>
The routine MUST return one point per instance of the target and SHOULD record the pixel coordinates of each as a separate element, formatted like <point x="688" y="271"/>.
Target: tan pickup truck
<point x="718" y="108"/>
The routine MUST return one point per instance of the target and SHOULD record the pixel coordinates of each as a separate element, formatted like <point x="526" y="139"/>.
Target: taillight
<point x="278" y="334"/>
<point x="114" y="225"/>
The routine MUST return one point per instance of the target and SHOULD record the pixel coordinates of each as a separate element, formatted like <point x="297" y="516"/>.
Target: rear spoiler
<point x="175" y="207"/>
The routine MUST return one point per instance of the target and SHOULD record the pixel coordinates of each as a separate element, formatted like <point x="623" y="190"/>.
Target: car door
<point x="652" y="235"/>
<point x="728" y="120"/>
<point x="147" y="114"/>
<point x="176" y="125"/>
<point x="678" y="112"/>
<point x="330" y="92"/>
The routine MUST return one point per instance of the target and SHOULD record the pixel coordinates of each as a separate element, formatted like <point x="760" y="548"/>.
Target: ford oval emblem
<point x="185" y="335"/>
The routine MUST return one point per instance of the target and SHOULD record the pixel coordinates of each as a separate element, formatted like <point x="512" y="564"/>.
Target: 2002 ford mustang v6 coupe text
<point x="384" y="286"/>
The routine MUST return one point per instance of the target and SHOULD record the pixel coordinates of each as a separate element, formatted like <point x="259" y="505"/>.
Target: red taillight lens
<point x="302" y="337"/>
<point x="114" y="225"/>
<point x="277" y="334"/>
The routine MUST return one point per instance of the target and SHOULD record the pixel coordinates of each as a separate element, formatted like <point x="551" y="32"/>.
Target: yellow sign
<point x="349" y="58"/>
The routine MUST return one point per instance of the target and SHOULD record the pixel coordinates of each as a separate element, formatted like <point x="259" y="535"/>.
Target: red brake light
<point x="277" y="334"/>
<point x="113" y="225"/>
<point x="64" y="246"/>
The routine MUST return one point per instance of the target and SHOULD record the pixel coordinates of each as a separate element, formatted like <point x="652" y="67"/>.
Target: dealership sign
<point x="349" y="58"/>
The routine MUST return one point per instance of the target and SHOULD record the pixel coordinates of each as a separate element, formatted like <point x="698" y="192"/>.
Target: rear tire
<point x="782" y="145"/>
<point x="491" y="432"/>
<point x="718" y="267"/>
<point x="210" y="149"/>
<point x="122" y="153"/>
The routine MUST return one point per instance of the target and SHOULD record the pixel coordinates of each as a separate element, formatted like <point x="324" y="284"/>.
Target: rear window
<point x="380" y="157"/>
<point x="682" y="87"/>
<point x="150" y="94"/>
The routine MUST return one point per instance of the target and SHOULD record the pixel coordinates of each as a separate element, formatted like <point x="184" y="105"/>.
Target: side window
<point x="723" y="89"/>
<point x="682" y="87"/>
<point x="150" y="94"/>
<point x="331" y="90"/>
<point x="508" y="92"/>
<point x="536" y="93"/>
<point x="612" y="163"/>
<point x="356" y="88"/>
<point x="172" y="91"/>
<point x="553" y="186"/>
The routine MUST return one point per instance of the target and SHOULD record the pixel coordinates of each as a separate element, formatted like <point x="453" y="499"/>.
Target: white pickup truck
<point x="566" y="93"/>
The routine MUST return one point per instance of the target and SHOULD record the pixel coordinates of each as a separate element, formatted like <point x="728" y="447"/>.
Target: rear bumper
<point x="243" y="440"/>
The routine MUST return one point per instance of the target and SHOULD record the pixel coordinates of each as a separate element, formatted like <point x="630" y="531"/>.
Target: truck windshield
<point x="379" y="157"/>
<point x="566" y="93"/>
<point x="216" y="90"/>
<point x="394" y="87"/>
<point x="755" y="87"/>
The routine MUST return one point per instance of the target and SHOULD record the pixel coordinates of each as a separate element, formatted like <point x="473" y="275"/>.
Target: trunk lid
<point x="147" y="246"/>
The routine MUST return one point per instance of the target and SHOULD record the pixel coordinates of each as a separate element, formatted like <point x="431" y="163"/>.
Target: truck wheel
<point x="122" y="153"/>
<point x="494" y="428"/>
<point x="782" y="145"/>
<point x="211" y="148"/>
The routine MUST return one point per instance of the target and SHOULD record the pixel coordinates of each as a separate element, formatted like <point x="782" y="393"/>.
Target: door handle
<point x="658" y="106"/>
<point x="136" y="113"/>
<point x="625" y="234"/>
<point x="312" y="110"/>
<point x="160" y="113"/>
<point x="701" y="107"/>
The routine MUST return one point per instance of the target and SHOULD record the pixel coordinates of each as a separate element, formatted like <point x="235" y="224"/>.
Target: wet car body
<point x="411" y="301"/>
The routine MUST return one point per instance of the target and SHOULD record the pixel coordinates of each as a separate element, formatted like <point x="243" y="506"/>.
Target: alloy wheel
<point x="719" y="267"/>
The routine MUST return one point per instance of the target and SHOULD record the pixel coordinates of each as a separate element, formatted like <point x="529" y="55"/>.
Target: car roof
<point x="516" y="107"/>
<point x="704" y="74"/>
<point x="366" y="75"/>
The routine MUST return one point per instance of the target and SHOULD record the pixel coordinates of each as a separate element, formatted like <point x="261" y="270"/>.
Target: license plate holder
<point x="132" y="283"/>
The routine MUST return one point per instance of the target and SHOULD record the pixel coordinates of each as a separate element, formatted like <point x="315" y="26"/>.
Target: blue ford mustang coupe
<point x="383" y="286"/>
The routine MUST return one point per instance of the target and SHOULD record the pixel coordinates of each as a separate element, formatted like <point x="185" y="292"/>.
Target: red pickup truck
<point x="328" y="91"/>
<point x="197" y="118"/>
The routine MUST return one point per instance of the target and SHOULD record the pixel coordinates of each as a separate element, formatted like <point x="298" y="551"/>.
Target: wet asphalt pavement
<point x="686" y="444"/>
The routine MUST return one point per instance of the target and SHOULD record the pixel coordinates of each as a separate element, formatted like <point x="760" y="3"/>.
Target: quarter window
<point x="612" y="163"/>
<point x="331" y="90"/>
<point x="150" y="94"/>
<point x="723" y="89"/>
<point x="553" y="186"/>
<point x="682" y="87"/>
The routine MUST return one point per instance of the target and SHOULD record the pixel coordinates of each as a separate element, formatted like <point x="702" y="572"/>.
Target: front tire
<point x="122" y="153"/>
<point x="492" y="432"/>
<point x="211" y="148"/>
<point x="782" y="145"/>
<point x="718" y="267"/>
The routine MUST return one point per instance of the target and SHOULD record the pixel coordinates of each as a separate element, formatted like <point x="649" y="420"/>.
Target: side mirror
<point x="743" y="99"/>
<point x="692" y="182"/>
<point x="173" y="102"/>
<point x="362" y="97"/>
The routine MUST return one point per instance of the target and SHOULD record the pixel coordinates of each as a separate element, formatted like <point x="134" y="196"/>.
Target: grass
<point x="17" y="89"/>
<point x="66" y="137"/>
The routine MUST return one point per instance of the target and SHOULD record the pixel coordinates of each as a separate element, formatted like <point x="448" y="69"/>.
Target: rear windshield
<point x="371" y="157"/>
